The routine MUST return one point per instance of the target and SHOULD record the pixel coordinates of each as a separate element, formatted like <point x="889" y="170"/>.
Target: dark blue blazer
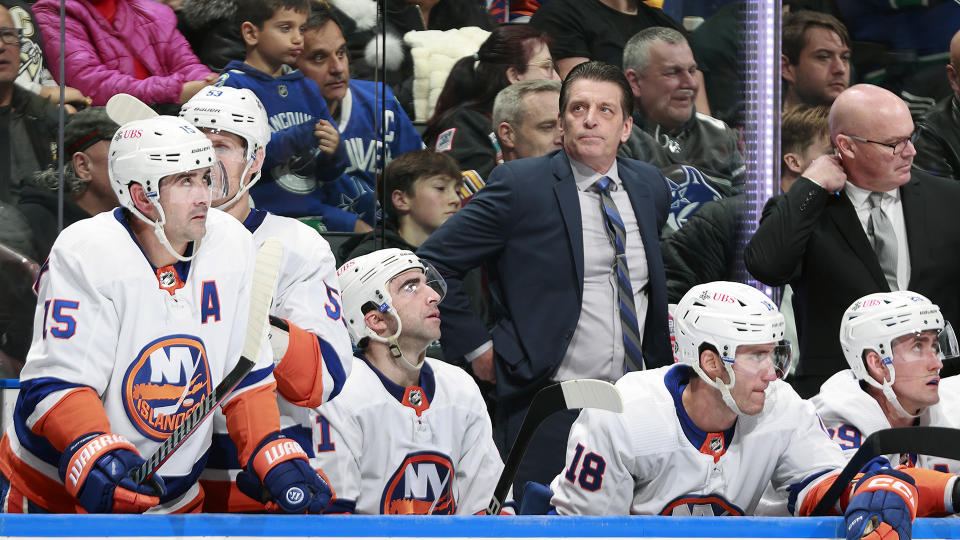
<point x="524" y="227"/>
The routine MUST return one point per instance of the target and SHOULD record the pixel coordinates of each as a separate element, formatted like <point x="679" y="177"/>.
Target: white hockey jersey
<point x="424" y="449"/>
<point x="308" y="295"/>
<point x="651" y="459"/>
<point x="850" y="415"/>
<point x="103" y="321"/>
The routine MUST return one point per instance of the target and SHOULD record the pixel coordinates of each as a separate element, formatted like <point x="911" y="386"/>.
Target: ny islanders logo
<point x="165" y="383"/>
<point x="423" y="484"/>
<point x="700" y="505"/>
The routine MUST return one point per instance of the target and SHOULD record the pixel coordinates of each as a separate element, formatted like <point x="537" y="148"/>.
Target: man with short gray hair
<point x="697" y="153"/>
<point x="525" y="118"/>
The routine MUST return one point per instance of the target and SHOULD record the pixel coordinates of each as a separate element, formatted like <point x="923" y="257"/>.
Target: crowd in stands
<point x="490" y="190"/>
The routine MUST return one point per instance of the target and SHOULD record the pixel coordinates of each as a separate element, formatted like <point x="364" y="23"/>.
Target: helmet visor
<point x="434" y="280"/>
<point x="925" y="344"/>
<point x="184" y="187"/>
<point x="758" y="358"/>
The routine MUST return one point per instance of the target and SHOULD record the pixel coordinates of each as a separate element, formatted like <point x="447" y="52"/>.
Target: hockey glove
<point x="95" y="469"/>
<point x="280" y="475"/>
<point x="883" y="506"/>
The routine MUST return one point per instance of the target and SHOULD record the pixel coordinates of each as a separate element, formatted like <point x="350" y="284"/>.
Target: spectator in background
<point x="594" y="29"/>
<point x="355" y="105"/>
<point x="34" y="75"/>
<point x="938" y="134"/>
<point x="856" y="223"/>
<point x="526" y="119"/>
<point x="460" y="123"/>
<point x="115" y="46"/>
<point x="716" y="45"/>
<point x="697" y="153"/>
<point x="420" y="191"/>
<point x="304" y="151"/>
<point x="804" y="136"/>
<point x="28" y="123"/>
<point x="815" y="64"/>
<point x="86" y="182"/>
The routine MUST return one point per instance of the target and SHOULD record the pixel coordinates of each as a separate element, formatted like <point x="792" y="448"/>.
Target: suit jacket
<point x="813" y="240"/>
<point x="525" y="227"/>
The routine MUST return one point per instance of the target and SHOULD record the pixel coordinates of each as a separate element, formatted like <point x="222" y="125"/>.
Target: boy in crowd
<point x="304" y="150"/>
<point x="420" y="189"/>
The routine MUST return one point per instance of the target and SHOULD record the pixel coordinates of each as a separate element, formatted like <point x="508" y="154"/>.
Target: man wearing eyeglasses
<point x="938" y="134"/>
<point x="27" y="121"/>
<point x="858" y="222"/>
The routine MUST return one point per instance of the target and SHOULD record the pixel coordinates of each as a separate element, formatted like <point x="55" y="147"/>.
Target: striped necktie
<point x="628" y="311"/>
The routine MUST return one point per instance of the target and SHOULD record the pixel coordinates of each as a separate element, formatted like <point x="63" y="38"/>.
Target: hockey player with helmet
<point x="311" y="346"/>
<point x="408" y="434"/>
<point x="706" y="436"/>
<point x="895" y="343"/>
<point x="141" y="312"/>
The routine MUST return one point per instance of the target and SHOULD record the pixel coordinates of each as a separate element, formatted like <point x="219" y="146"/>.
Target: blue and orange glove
<point x="95" y="469"/>
<point x="280" y="475"/>
<point x="882" y="507"/>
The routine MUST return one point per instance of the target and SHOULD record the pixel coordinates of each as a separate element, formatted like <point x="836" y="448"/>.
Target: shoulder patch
<point x="445" y="140"/>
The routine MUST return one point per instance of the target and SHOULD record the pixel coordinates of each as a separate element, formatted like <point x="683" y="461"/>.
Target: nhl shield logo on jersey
<point x="164" y="383"/>
<point x="423" y="484"/>
<point x="700" y="505"/>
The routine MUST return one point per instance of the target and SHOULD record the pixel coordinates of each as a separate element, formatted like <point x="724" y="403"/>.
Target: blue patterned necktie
<point x="628" y="311"/>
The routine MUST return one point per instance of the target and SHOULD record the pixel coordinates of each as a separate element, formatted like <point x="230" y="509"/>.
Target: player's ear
<point x="711" y="363"/>
<point x="258" y="161"/>
<point x="375" y="321"/>
<point x="140" y="200"/>
<point x="875" y="366"/>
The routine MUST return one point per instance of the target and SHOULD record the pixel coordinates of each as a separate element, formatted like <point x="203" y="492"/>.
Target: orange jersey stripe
<point x="78" y="413"/>
<point x="252" y="416"/>
<point x="300" y="375"/>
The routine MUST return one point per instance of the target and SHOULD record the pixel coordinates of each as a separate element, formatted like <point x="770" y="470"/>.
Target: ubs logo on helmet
<point x="422" y="484"/>
<point x="701" y="505"/>
<point x="164" y="383"/>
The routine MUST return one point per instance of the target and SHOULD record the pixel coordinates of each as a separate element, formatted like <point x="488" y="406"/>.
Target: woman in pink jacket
<point x="115" y="46"/>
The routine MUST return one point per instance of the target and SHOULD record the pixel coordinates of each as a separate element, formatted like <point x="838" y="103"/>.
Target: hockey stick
<point x="925" y="440"/>
<point x="123" y="108"/>
<point x="576" y="394"/>
<point x="261" y="294"/>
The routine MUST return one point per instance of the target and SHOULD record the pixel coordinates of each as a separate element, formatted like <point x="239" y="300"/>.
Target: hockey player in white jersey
<point x="706" y="436"/>
<point x="894" y="343"/>
<point x="311" y="345"/>
<point x="408" y="434"/>
<point x="141" y="312"/>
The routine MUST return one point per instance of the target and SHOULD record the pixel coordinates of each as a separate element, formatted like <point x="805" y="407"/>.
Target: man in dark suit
<point x="856" y="223"/>
<point x="540" y="230"/>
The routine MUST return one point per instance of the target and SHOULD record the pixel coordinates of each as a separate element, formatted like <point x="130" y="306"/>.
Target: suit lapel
<point x="842" y="213"/>
<point x="914" y="211"/>
<point x="569" y="202"/>
<point x="643" y="210"/>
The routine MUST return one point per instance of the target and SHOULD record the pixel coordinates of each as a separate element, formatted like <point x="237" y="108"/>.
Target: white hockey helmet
<point x="875" y="321"/>
<point x="365" y="285"/>
<point x="146" y="151"/>
<point x="233" y="110"/>
<point x="724" y="315"/>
